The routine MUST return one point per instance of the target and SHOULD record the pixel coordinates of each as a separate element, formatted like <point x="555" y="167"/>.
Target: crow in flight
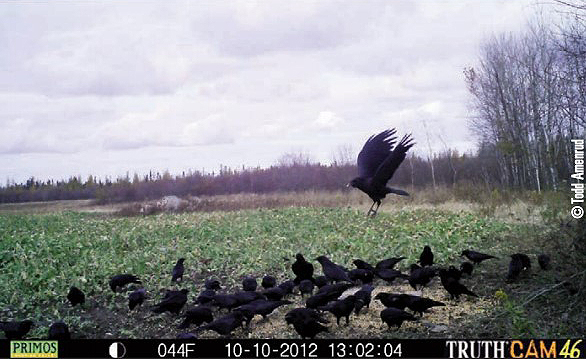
<point x="377" y="162"/>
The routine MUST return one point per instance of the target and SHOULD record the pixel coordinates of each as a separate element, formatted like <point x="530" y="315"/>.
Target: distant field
<point x="42" y="254"/>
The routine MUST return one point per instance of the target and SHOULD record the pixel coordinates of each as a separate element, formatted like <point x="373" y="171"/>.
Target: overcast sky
<point x="105" y="87"/>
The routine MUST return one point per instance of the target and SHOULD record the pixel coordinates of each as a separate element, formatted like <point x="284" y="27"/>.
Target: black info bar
<point x="279" y="348"/>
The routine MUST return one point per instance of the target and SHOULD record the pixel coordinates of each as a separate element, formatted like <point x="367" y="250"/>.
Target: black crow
<point x="363" y="297"/>
<point x="206" y="296"/>
<point x="454" y="272"/>
<point x="262" y="307"/>
<point x="360" y="264"/>
<point x="121" y="280"/>
<point x="308" y="327"/>
<point x="388" y="263"/>
<point x="59" y="331"/>
<point x="247" y="297"/>
<point x="213" y="284"/>
<point x="178" y="270"/>
<point x="274" y="293"/>
<point x="173" y="302"/>
<point x="268" y="281"/>
<point x="287" y="286"/>
<point x="466" y="267"/>
<point x="331" y="270"/>
<point x="393" y="316"/>
<point x="318" y="300"/>
<point x="136" y="298"/>
<point x="419" y="304"/>
<point x="426" y="257"/>
<point x="543" y="260"/>
<point x="226" y="324"/>
<point x="306" y="287"/>
<point x="301" y="268"/>
<point x="476" y="257"/>
<point x="389" y="275"/>
<point x="364" y="275"/>
<point x="420" y="276"/>
<point x="321" y="280"/>
<point x="377" y="162"/>
<point x="16" y="330"/>
<point x="335" y="290"/>
<point x="308" y="313"/>
<point x="454" y="287"/>
<point x="518" y="263"/>
<point x="75" y="296"/>
<point x="398" y="301"/>
<point x="341" y="308"/>
<point x="227" y="301"/>
<point x="197" y="315"/>
<point x="249" y="284"/>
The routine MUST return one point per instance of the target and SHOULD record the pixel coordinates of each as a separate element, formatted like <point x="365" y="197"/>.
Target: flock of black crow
<point x="339" y="291"/>
<point x="377" y="162"/>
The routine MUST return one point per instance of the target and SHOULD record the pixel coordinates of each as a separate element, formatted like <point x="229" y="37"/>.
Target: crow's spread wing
<point x="376" y="149"/>
<point x="390" y="164"/>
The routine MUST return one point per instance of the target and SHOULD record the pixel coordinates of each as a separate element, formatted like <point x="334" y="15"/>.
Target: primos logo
<point x="34" y="349"/>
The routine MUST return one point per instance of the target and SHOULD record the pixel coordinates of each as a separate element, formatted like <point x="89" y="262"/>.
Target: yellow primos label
<point x="34" y="349"/>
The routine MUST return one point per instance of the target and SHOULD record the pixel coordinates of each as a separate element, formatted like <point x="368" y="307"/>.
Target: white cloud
<point x="236" y="82"/>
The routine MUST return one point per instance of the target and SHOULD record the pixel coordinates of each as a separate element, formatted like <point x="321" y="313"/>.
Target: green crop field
<point x="42" y="255"/>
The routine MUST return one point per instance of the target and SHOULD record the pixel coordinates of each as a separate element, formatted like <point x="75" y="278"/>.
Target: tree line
<point x="529" y="100"/>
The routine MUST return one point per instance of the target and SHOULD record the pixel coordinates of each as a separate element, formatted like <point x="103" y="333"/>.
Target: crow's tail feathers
<point x="398" y="191"/>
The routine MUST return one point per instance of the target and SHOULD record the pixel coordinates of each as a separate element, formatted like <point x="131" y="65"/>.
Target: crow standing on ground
<point x="420" y="276"/>
<point x="287" y="286"/>
<point x="466" y="267"/>
<point x="206" y="296"/>
<point x="476" y="257"/>
<point x="363" y="297"/>
<point x="307" y="322"/>
<point x="389" y="300"/>
<point x="331" y="270"/>
<point x="389" y="275"/>
<point x="226" y="324"/>
<point x="543" y="260"/>
<point x="388" y="263"/>
<point x="426" y="257"/>
<point x="268" y="281"/>
<point x="121" y="280"/>
<point x="377" y="162"/>
<point x="393" y="316"/>
<point x="301" y="268"/>
<point x="420" y="304"/>
<point x="173" y="302"/>
<point x="364" y="275"/>
<point x="16" y="330"/>
<point x="75" y="296"/>
<point x="178" y="270"/>
<point x="59" y="331"/>
<point x="360" y="264"/>
<point x="321" y="281"/>
<point x="341" y="308"/>
<point x="452" y="285"/>
<point x="306" y="287"/>
<point x="197" y="315"/>
<point x="518" y="263"/>
<point x="213" y="284"/>
<point x="136" y="298"/>
<point x="249" y="284"/>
